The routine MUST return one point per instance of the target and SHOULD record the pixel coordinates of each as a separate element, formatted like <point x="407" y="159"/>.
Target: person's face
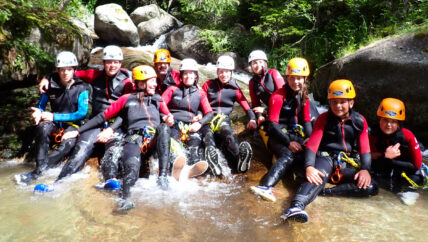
<point x="112" y="67"/>
<point x="189" y="78"/>
<point x="224" y="75"/>
<point x="388" y="126"/>
<point x="161" y="68"/>
<point x="296" y="82"/>
<point x="148" y="85"/>
<point x="341" y="106"/>
<point x="257" y="66"/>
<point x="66" y="74"/>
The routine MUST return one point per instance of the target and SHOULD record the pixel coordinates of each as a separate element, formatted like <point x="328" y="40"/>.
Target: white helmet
<point x="188" y="64"/>
<point x="112" y="52"/>
<point x="226" y="62"/>
<point x="66" y="59"/>
<point x="257" y="55"/>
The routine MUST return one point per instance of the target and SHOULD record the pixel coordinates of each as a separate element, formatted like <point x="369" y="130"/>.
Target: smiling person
<point x="337" y="150"/>
<point x="222" y="94"/>
<point x="184" y="101"/>
<point x="396" y="154"/>
<point x="289" y="125"/>
<point x="68" y="98"/>
<point x="166" y="75"/>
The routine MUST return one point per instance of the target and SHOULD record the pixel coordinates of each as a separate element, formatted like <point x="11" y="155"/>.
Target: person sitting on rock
<point x="289" y="125"/>
<point x="262" y="85"/>
<point x="397" y="159"/>
<point x="145" y="132"/>
<point x="331" y="152"/>
<point x="184" y="102"/>
<point x="107" y="86"/>
<point x="222" y="94"/>
<point x="166" y="75"/>
<point x="68" y="98"/>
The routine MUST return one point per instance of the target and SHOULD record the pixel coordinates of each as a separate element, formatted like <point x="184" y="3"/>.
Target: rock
<point x="186" y="43"/>
<point x="153" y="28"/>
<point x="114" y="26"/>
<point x="148" y="12"/>
<point x="393" y="67"/>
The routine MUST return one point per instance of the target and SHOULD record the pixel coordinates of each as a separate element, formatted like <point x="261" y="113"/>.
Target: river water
<point x="204" y="209"/>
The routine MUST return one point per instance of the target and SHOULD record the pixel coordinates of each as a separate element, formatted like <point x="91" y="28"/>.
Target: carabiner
<point x="336" y="176"/>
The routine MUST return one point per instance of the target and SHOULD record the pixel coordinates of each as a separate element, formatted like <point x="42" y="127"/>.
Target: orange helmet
<point x="297" y="67"/>
<point x="392" y="108"/>
<point x="142" y="73"/>
<point x="162" y="55"/>
<point x="341" y="88"/>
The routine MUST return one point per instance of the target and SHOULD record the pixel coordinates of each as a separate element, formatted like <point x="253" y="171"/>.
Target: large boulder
<point x="114" y="26"/>
<point x="187" y="43"/>
<point x="155" y="27"/>
<point x="393" y="67"/>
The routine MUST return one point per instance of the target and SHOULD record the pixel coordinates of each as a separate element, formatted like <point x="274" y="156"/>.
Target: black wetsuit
<point x="69" y="106"/>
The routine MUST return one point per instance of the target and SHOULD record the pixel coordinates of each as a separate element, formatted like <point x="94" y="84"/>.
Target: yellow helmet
<point x="142" y="73"/>
<point x="392" y="108"/>
<point x="341" y="88"/>
<point x="162" y="55"/>
<point x="298" y="67"/>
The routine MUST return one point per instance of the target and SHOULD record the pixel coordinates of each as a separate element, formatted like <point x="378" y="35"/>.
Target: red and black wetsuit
<point x="140" y="114"/>
<point x="172" y="78"/>
<point x="222" y="98"/>
<point x="69" y="106"/>
<point x="409" y="161"/>
<point x="105" y="90"/>
<point x="263" y="86"/>
<point x="285" y="113"/>
<point x="330" y="136"/>
<point x="184" y="103"/>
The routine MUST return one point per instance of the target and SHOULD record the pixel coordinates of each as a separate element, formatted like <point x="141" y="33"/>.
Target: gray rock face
<point x="155" y="27"/>
<point x="394" y="67"/>
<point x="113" y="25"/>
<point x="186" y="43"/>
<point x="146" y="13"/>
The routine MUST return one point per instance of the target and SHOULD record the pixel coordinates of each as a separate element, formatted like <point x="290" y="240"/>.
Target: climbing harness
<point x="58" y="135"/>
<point x="342" y="156"/>
<point x="299" y="129"/>
<point x="184" y="131"/>
<point x="215" y="123"/>
<point x="413" y="184"/>
<point x="147" y="133"/>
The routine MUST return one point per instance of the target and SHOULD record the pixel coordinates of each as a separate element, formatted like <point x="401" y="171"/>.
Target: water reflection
<point x="207" y="209"/>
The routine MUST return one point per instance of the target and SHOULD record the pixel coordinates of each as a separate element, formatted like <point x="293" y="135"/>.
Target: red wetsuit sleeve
<point x="277" y="78"/>
<point x="205" y="104"/>
<point x="205" y="86"/>
<point x="363" y="139"/>
<point x="115" y="107"/>
<point x="373" y="140"/>
<point x="275" y="104"/>
<point x="317" y="133"/>
<point x="254" y="100"/>
<point x="163" y="108"/>
<point x="88" y="76"/>
<point x="414" y="148"/>
<point x="176" y="76"/>
<point x="167" y="95"/>
<point x="306" y="111"/>
<point x="242" y="100"/>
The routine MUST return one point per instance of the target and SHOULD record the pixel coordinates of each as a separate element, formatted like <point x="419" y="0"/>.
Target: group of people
<point x="160" y="111"/>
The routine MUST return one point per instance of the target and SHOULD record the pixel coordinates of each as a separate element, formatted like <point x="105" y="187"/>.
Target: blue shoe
<point x="264" y="192"/>
<point x="163" y="182"/>
<point x="295" y="214"/>
<point x="44" y="188"/>
<point x="24" y="179"/>
<point x="112" y="184"/>
<point x="125" y="204"/>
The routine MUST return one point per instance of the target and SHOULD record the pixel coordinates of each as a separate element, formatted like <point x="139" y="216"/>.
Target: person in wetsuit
<point x="68" y="98"/>
<point x="166" y="75"/>
<point x="289" y="123"/>
<point x="331" y="152"/>
<point x="107" y="86"/>
<point x="396" y="154"/>
<point x="184" y="102"/>
<point x="222" y="94"/>
<point x="145" y="133"/>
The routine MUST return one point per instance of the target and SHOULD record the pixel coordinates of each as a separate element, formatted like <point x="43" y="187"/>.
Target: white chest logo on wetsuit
<point x="177" y="98"/>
